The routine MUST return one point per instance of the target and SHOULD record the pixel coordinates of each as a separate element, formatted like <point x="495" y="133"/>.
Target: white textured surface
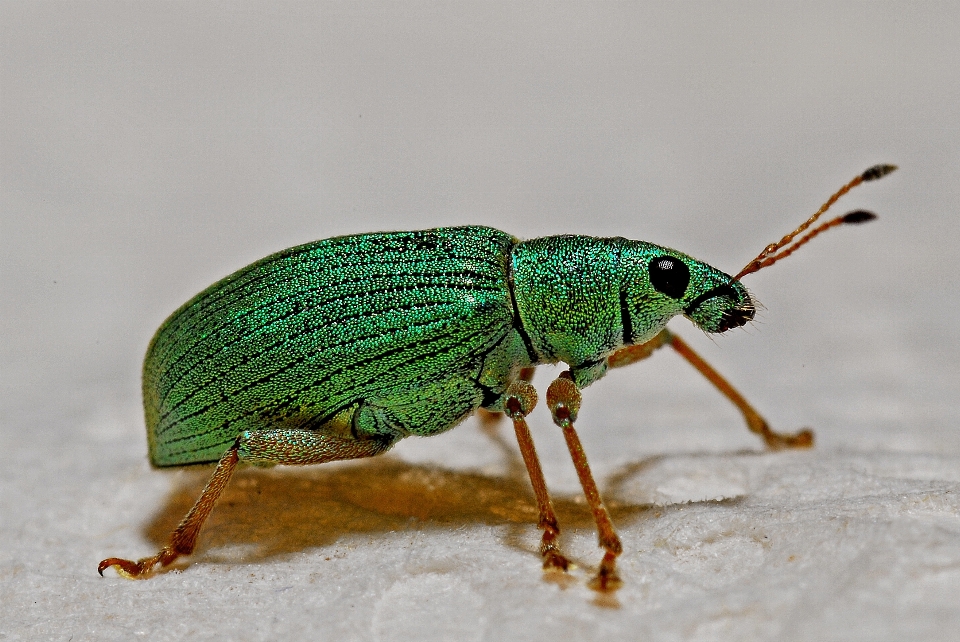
<point x="149" y="149"/>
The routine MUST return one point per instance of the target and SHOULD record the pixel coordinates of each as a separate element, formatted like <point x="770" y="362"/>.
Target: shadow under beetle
<point x="339" y="348"/>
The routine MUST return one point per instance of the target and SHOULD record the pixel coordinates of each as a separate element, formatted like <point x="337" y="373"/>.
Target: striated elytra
<point x="381" y="336"/>
<point x="339" y="348"/>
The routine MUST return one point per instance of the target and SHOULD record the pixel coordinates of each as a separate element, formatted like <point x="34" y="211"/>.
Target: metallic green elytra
<point x="338" y="349"/>
<point x="374" y="337"/>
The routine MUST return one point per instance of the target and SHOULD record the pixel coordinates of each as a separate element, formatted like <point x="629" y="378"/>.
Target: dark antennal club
<point x="787" y="245"/>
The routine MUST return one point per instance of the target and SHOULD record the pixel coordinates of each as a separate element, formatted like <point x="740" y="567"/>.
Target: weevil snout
<point x="721" y="308"/>
<point x="737" y="316"/>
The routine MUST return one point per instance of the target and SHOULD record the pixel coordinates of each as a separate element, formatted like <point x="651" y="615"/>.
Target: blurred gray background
<point x="148" y="149"/>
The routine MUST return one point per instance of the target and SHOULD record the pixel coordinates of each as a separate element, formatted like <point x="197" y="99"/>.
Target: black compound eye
<point x="669" y="275"/>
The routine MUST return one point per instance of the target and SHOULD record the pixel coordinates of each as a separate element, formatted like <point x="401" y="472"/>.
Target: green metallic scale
<point x="339" y="348"/>
<point x="381" y="336"/>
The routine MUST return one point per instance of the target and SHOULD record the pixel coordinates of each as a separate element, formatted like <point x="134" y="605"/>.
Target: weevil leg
<point x="280" y="446"/>
<point x="756" y="423"/>
<point x="563" y="399"/>
<point x="638" y="352"/>
<point x="488" y="418"/>
<point x="520" y="399"/>
<point x="184" y="537"/>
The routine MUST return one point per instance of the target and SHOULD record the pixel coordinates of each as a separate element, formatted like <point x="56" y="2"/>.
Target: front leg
<point x="755" y="422"/>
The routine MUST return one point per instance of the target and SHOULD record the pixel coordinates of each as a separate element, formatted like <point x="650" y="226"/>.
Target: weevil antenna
<point x="783" y="248"/>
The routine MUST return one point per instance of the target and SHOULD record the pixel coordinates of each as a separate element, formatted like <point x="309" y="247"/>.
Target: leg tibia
<point x="549" y="546"/>
<point x="184" y="538"/>
<point x="563" y="399"/>
<point x="256" y="447"/>
<point x="756" y="423"/>
<point x="519" y="400"/>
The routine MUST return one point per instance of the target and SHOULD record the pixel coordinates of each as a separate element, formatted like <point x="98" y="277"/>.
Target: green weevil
<point x="339" y="348"/>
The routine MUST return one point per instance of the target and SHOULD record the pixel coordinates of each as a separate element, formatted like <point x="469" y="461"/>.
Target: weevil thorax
<point x="582" y="298"/>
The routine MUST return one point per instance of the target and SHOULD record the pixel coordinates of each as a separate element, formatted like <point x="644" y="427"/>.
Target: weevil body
<point x="339" y="348"/>
<point x="376" y="337"/>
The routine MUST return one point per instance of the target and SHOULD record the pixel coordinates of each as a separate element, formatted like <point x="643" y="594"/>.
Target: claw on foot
<point x="778" y="441"/>
<point x="127" y="568"/>
<point x="141" y="568"/>
<point x="553" y="560"/>
<point x="607" y="579"/>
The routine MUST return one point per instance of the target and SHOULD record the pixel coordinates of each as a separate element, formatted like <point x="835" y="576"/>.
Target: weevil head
<point x="664" y="283"/>
<point x="722" y="307"/>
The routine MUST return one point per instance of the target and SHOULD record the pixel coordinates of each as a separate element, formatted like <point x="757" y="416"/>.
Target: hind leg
<point x="294" y="447"/>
